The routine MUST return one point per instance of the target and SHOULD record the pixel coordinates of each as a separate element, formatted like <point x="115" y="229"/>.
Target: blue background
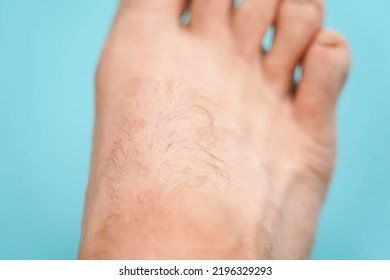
<point x="48" y="52"/>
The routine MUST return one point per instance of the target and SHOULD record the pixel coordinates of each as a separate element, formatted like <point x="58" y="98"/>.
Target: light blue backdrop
<point x="48" y="51"/>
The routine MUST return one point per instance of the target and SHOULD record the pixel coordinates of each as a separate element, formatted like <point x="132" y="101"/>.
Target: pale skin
<point x="202" y="148"/>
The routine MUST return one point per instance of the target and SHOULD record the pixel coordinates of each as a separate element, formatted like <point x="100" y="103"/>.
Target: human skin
<point x="202" y="147"/>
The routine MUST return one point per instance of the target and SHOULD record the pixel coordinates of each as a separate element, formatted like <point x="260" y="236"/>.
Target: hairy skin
<point x="202" y="152"/>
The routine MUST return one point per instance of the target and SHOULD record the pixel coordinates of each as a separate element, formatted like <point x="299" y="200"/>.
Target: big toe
<point x="324" y="72"/>
<point x="161" y="11"/>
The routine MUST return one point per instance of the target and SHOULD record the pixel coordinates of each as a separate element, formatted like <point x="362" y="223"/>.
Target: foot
<point x="203" y="145"/>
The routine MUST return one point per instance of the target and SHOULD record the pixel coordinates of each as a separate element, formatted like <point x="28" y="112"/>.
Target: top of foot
<point x="195" y="124"/>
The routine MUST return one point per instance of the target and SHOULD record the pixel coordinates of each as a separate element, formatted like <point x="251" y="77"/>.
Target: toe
<point x="156" y="10"/>
<point x="251" y="21"/>
<point x="325" y="68"/>
<point x="210" y="16"/>
<point x="297" y="23"/>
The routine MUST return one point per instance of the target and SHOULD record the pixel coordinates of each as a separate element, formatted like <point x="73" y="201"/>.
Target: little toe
<point x="325" y="68"/>
<point x="251" y="21"/>
<point x="210" y="16"/>
<point x="297" y="23"/>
